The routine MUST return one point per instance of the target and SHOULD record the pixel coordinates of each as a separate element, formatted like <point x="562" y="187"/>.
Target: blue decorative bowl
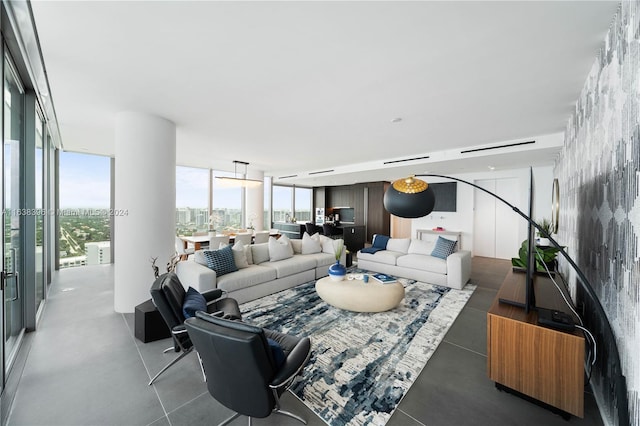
<point x="337" y="272"/>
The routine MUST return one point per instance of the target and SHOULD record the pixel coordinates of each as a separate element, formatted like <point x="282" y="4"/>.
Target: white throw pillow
<point x="310" y="245"/>
<point x="239" y="255"/>
<point x="399" y="244"/>
<point x="198" y="257"/>
<point x="327" y="245"/>
<point x="279" y="249"/>
<point x="260" y="253"/>
<point x="248" y="253"/>
<point x="421" y="247"/>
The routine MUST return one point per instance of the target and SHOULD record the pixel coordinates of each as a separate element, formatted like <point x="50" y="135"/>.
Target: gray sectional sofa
<point x="263" y="273"/>
<point x="412" y="258"/>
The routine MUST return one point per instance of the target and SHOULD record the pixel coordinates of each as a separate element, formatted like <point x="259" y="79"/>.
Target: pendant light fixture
<point x="235" y="181"/>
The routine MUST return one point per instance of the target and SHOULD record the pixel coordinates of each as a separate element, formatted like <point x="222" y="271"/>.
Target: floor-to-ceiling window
<point x="192" y="200"/>
<point x="302" y="204"/>
<point x="291" y="202"/>
<point x="227" y="205"/>
<point x="42" y="210"/>
<point x="30" y="142"/>
<point x="13" y="101"/>
<point x="85" y="200"/>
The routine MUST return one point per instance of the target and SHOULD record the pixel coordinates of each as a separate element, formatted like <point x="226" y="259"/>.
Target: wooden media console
<point x="539" y="362"/>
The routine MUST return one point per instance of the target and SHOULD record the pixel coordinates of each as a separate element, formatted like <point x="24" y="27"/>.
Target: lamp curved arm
<point x="585" y="284"/>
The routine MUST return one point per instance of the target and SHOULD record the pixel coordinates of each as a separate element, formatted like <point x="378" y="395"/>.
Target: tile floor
<point x="85" y="367"/>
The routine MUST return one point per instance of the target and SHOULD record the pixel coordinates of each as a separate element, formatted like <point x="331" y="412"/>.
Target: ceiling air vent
<point x="321" y="171"/>
<point x="286" y="177"/>
<point x="406" y="159"/>
<point x="497" y="147"/>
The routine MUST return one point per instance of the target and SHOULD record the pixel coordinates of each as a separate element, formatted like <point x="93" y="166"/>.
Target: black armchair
<point x="168" y="295"/>
<point x="242" y="372"/>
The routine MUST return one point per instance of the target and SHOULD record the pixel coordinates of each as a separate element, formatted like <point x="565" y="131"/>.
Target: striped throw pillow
<point x="444" y="248"/>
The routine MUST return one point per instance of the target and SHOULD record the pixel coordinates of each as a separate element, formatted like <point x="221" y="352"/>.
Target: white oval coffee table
<point x="358" y="296"/>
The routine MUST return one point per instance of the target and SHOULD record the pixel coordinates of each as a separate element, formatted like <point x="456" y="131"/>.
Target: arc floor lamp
<point x="413" y="198"/>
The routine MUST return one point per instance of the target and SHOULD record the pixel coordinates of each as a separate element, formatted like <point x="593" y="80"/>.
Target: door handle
<point x="11" y="274"/>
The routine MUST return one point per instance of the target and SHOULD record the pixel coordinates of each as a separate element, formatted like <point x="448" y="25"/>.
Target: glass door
<point x="11" y="283"/>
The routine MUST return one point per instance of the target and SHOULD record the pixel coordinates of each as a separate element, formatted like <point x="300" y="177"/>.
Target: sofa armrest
<point x="458" y="269"/>
<point x="192" y="274"/>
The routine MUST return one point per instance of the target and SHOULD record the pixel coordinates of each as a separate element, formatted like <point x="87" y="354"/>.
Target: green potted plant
<point x="547" y="253"/>
<point x="546" y="225"/>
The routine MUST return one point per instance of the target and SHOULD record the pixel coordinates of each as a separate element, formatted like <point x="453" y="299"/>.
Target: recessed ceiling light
<point x="396" y="120"/>
<point x="492" y="168"/>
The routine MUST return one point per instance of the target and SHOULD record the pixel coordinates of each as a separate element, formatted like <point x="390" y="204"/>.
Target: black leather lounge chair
<point x="245" y="372"/>
<point x="168" y="295"/>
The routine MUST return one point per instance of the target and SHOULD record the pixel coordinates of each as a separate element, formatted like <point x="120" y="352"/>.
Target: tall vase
<point x="337" y="272"/>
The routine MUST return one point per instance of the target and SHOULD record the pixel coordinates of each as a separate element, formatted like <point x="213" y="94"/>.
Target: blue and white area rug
<point x="362" y="364"/>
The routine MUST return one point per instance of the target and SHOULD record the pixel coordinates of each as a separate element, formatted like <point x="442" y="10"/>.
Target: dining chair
<point x="245" y="237"/>
<point x="214" y="242"/>
<point x="261" y="237"/>
<point x="181" y="250"/>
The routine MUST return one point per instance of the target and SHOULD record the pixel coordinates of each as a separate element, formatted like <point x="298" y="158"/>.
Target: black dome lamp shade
<point x="410" y="198"/>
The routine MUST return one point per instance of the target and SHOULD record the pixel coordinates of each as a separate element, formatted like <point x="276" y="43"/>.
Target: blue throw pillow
<point x="193" y="301"/>
<point x="277" y="352"/>
<point x="221" y="260"/>
<point x="380" y="241"/>
<point x="444" y="248"/>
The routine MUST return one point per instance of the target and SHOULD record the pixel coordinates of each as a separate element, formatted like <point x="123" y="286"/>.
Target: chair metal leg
<point x="232" y="418"/>
<point x="204" y="375"/>
<point x="290" y="414"/>
<point x="277" y="409"/>
<point x="182" y="355"/>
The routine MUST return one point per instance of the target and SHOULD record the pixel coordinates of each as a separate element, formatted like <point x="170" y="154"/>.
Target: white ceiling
<point x="298" y="87"/>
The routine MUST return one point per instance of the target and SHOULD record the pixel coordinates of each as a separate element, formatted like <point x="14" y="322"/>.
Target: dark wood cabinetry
<point x="366" y="201"/>
<point x="378" y="219"/>
<point x="354" y="237"/>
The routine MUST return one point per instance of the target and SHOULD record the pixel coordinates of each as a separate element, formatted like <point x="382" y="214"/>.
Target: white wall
<point x="462" y="219"/>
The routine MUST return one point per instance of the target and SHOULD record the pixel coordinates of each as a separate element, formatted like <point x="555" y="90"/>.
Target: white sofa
<point x="263" y="276"/>
<point x="411" y="258"/>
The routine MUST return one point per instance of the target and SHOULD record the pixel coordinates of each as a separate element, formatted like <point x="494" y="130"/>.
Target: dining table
<point x="202" y="241"/>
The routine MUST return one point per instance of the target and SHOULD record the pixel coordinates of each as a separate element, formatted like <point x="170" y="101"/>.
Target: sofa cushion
<point x="399" y="244"/>
<point x="247" y="277"/>
<point x="311" y="244"/>
<point x="260" y="253"/>
<point x="292" y="265"/>
<point x="322" y="259"/>
<point x="221" y="260"/>
<point x="421" y="247"/>
<point x="385" y="256"/>
<point x="423" y="263"/>
<point x="296" y="244"/>
<point x="280" y="248"/>
<point x="444" y="248"/>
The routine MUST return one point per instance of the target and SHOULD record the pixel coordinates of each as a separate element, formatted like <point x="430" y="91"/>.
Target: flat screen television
<point x="446" y="194"/>
<point x="529" y="303"/>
